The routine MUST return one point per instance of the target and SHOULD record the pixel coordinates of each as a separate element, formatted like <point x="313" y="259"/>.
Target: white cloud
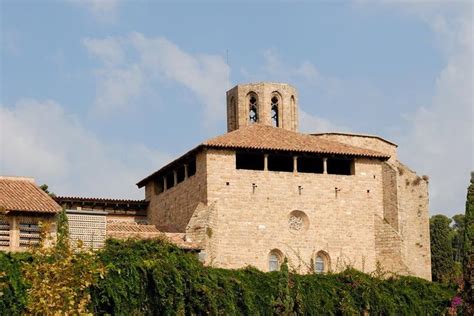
<point x="103" y="10"/>
<point x="441" y="140"/>
<point x="118" y="86"/>
<point x="41" y="140"/>
<point x="314" y="124"/>
<point x="123" y="76"/>
<point x="108" y="50"/>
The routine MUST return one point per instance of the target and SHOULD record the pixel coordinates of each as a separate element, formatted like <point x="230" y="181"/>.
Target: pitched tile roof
<point x="126" y="227"/>
<point x="264" y="137"/>
<point x="22" y="194"/>
<point x="97" y="203"/>
<point x="258" y="136"/>
<point x="122" y="230"/>
<point x="179" y="239"/>
<point x="97" y="200"/>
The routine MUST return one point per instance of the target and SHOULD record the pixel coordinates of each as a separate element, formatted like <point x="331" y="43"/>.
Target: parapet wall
<point x="363" y="141"/>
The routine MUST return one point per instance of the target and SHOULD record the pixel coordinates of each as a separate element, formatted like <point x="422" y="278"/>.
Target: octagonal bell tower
<point x="268" y="103"/>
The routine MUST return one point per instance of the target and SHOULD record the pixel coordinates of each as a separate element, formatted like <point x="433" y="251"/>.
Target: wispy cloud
<point x="102" y="10"/>
<point x="440" y="141"/>
<point x="40" y="139"/>
<point x="315" y="124"/>
<point x="123" y="76"/>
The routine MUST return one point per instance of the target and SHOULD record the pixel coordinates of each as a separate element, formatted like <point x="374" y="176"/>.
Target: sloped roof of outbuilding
<point x="260" y="136"/>
<point x="22" y="194"/>
<point x="123" y="230"/>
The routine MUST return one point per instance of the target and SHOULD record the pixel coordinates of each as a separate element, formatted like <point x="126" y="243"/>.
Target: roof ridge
<point x="59" y="197"/>
<point x="18" y="178"/>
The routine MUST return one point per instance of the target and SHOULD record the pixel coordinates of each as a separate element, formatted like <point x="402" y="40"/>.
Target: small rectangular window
<point x="310" y="165"/>
<point x="280" y="163"/>
<point x="249" y="161"/>
<point x="340" y="166"/>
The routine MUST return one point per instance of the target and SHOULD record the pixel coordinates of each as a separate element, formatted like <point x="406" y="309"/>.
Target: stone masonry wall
<point x="390" y="195"/>
<point x="414" y="221"/>
<point x="172" y="209"/>
<point x="239" y="216"/>
<point x="252" y="222"/>
<point x="16" y="241"/>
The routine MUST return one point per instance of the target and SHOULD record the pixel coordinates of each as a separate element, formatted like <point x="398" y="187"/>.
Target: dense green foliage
<point x="154" y="277"/>
<point x="457" y="237"/>
<point x="13" y="286"/>
<point x="468" y="250"/>
<point x="442" y="263"/>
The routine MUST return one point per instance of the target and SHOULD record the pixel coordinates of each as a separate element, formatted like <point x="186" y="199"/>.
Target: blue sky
<point x="97" y="94"/>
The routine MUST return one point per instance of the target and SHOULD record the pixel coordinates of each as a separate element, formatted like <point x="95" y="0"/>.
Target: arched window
<point x="253" y="109"/>
<point x="275" y="118"/>
<point x="275" y="259"/>
<point x="321" y="262"/>
<point x="293" y="111"/>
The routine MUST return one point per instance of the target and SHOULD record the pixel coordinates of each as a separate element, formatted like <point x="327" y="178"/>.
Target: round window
<point x="298" y="221"/>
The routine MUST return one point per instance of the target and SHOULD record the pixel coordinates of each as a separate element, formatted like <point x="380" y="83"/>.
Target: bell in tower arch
<point x="267" y="103"/>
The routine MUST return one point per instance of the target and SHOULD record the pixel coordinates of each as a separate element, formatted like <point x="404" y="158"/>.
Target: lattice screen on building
<point x="4" y="232"/>
<point x="89" y="228"/>
<point x="29" y="232"/>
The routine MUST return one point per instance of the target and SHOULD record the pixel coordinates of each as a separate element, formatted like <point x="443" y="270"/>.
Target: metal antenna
<point x="227" y="61"/>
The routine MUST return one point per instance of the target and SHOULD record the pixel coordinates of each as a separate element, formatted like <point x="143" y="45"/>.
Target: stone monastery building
<point x="256" y="195"/>
<point x="264" y="192"/>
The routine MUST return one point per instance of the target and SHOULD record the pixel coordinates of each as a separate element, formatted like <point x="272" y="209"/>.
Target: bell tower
<point x="268" y="103"/>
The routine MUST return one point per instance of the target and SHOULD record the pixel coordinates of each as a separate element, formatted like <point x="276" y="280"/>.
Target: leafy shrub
<point x="13" y="286"/>
<point x="153" y="277"/>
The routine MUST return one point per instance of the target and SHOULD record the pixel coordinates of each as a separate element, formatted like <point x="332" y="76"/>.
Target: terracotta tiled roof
<point x="179" y="239"/>
<point x="131" y="228"/>
<point x="264" y="137"/>
<point x="259" y="136"/>
<point x="98" y="200"/>
<point x="22" y="194"/>
<point x="123" y="230"/>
